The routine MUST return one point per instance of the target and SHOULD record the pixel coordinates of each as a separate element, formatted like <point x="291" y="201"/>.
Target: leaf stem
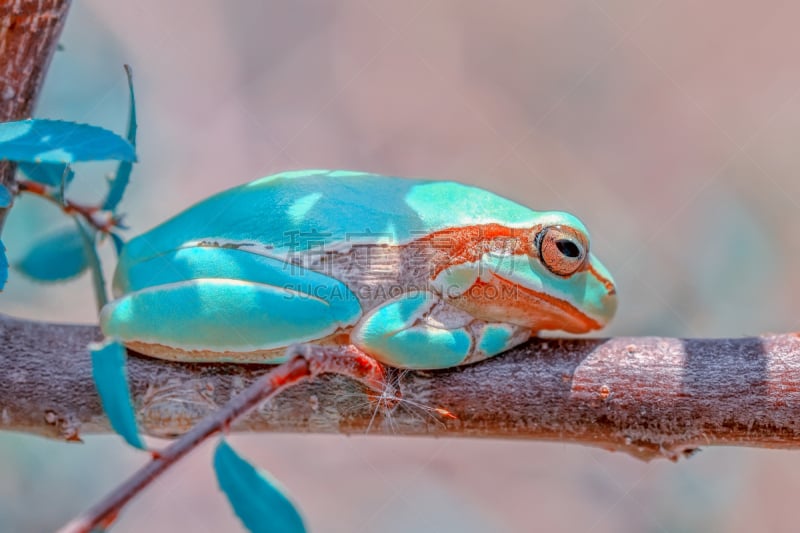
<point x="99" y="219"/>
<point x="89" y="237"/>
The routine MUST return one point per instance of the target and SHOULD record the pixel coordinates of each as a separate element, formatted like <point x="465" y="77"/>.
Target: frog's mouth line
<point x="528" y="307"/>
<point x="551" y="313"/>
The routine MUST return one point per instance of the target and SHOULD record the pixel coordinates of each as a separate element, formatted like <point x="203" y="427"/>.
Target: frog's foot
<point x="350" y="361"/>
<point x="421" y="330"/>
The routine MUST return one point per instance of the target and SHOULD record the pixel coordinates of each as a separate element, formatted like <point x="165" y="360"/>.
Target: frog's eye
<point x="562" y="249"/>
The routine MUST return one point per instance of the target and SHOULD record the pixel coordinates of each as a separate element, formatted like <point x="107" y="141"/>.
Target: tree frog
<point x="416" y="274"/>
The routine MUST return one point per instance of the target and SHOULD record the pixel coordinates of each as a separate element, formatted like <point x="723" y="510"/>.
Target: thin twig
<point x="105" y="512"/>
<point x="102" y="221"/>
<point x="297" y="369"/>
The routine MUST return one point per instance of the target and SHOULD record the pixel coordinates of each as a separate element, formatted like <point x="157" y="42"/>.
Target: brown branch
<point x="648" y="396"/>
<point x="29" y="32"/>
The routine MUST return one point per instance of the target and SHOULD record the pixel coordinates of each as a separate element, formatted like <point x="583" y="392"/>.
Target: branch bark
<point x="647" y="396"/>
<point x="29" y="32"/>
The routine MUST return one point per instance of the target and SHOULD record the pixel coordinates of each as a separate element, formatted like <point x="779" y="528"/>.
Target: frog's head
<point x="546" y="280"/>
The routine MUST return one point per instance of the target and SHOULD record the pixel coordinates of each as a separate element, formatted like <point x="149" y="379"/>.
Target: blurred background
<point x="670" y="128"/>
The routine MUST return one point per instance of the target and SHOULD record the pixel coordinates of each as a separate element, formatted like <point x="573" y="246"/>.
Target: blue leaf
<point x="58" y="141"/>
<point x="120" y="181"/>
<point x="258" y="500"/>
<point x="118" y="243"/>
<point x="58" y="256"/>
<point x="48" y="173"/>
<point x="5" y="196"/>
<point x="108" y="369"/>
<point x="3" y="266"/>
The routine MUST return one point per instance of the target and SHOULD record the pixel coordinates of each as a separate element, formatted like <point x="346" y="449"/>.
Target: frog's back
<point x="295" y="209"/>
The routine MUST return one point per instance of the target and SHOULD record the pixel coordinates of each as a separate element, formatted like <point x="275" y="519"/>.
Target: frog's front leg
<point x="420" y="330"/>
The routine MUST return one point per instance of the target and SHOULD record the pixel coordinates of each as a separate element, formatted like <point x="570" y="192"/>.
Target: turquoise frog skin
<point x="416" y="274"/>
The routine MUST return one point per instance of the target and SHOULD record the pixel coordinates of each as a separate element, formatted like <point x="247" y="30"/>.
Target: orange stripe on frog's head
<point x="542" y="277"/>
<point x="607" y="283"/>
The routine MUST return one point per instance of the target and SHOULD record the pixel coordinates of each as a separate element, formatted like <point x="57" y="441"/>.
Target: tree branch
<point x="647" y="396"/>
<point x="29" y="32"/>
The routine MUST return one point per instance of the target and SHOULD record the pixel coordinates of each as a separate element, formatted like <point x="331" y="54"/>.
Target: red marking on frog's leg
<point x="445" y="413"/>
<point x="350" y="361"/>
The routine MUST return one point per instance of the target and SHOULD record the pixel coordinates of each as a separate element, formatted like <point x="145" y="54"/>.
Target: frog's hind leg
<point x="421" y="330"/>
<point x="213" y="304"/>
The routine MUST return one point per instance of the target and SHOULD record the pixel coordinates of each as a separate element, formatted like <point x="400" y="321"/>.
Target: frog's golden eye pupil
<point x="568" y="248"/>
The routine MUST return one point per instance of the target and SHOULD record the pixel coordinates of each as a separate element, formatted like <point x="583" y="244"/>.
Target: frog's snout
<point x="609" y="306"/>
<point x="604" y="304"/>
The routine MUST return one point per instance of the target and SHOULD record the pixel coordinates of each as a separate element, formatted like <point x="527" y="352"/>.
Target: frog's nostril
<point x="610" y="304"/>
